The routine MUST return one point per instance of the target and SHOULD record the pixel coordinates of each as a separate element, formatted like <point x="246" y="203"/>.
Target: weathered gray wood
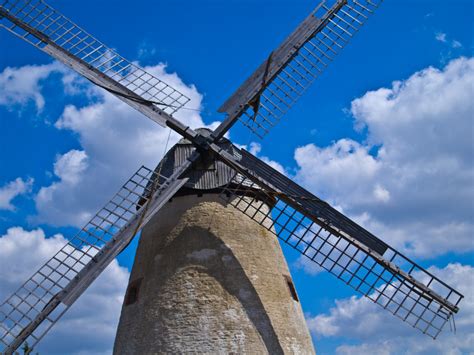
<point x="81" y="67"/>
<point x="254" y="85"/>
<point x="278" y="58"/>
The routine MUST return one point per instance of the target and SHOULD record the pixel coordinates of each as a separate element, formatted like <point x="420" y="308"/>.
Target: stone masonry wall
<point x="211" y="281"/>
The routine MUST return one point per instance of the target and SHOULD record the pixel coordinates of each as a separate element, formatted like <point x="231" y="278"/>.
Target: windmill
<point x="201" y="187"/>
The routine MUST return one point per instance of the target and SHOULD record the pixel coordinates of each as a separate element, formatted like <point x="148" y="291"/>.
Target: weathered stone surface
<point x="211" y="281"/>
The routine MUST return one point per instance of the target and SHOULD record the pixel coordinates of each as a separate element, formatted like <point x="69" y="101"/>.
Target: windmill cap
<point x="207" y="173"/>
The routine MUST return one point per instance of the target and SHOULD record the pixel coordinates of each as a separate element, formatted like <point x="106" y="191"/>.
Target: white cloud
<point x="19" y="86"/>
<point x="21" y="252"/>
<point x="116" y="140"/>
<point x="411" y="182"/>
<point x="342" y="166"/>
<point x="13" y="189"/>
<point x="90" y="325"/>
<point x="55" y="201"/>
<point x="70" y="166"/>
<point x="380" y="332"/>
<point x="381" y="194"/>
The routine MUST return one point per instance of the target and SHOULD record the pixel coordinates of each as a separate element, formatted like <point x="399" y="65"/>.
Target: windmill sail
<point x="45" y="28"/>
<point x="290" y="69"/>
<point x="338" y="245"/>
<point x="39" y="303"/>
<point x="318" y="231"/>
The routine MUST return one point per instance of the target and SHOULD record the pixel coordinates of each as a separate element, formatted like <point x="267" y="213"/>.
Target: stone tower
<point x="208" y="279"/>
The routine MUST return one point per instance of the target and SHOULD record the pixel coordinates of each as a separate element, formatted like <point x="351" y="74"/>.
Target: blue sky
<point x="398" y="160"/>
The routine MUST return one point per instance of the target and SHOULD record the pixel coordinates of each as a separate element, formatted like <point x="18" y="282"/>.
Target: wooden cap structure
<point x="208" y="173"/>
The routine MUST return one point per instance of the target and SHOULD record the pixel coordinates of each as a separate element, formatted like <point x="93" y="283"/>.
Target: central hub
<point x="203" y="140"/>
<point x="208" y="173"/>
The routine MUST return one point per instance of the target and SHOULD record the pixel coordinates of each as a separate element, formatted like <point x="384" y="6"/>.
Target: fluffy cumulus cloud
<point x="379" y="332"/>
<point x="90" y="325"/>
<point x="20" y="86"/>
<point x="411" y="182"/>
<point x="115" y="139"/>
<point x="22" y="251"/>
<point x="13" y="189"/>
<point x="69" y="168"/>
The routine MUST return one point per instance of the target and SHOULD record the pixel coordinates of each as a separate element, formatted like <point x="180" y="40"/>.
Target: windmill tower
<point x="207" y="280"/>
<point x="209" y="274"/>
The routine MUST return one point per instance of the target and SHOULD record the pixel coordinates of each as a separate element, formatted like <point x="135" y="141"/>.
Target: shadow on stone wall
<point x="222" y="266"/>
